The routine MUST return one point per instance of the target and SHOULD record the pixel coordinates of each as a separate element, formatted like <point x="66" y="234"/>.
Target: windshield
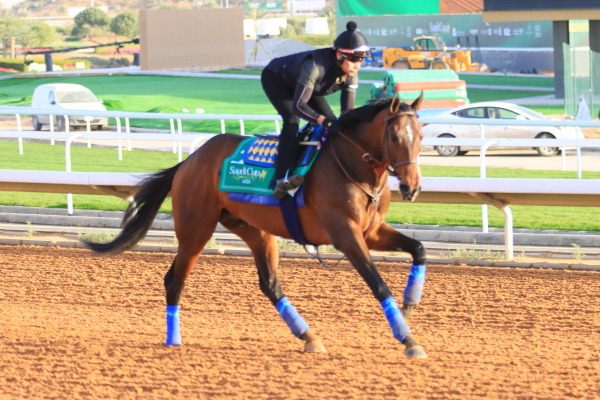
<point x="76" y="97"/>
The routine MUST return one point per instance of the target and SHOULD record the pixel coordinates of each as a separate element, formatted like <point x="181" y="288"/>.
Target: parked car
<point x="496" y="110"/>
<point x="66" y="96"/>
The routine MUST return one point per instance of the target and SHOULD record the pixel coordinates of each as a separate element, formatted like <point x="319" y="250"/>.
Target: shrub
<point x="317" y="40"/>
<point x="12" y="63"/>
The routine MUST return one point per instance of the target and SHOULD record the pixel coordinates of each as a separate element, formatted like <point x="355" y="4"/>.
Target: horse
<point x="346" y="200"/>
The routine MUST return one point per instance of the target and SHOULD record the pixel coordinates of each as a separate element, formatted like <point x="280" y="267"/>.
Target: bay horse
<point x="346" y="200"/>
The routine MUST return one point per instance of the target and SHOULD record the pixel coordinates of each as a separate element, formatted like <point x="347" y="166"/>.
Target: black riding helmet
<point x="352" y="43"/>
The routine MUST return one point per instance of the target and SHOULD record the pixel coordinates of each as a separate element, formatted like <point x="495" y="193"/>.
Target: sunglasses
<point x="353" y="58"/>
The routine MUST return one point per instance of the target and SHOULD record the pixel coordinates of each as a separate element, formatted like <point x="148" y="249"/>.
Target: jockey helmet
<point x="352" y="43"/>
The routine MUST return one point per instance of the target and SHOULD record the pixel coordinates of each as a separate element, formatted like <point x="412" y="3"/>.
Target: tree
<point x="329" y="12"/>
<point x="41" y="35"/>
<point x="14" y="27"/>
<point x="125" y="24"/>
<point x="90" y="22"/>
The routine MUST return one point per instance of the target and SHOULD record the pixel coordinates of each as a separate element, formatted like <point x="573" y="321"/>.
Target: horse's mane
<point x="368" y="112"/>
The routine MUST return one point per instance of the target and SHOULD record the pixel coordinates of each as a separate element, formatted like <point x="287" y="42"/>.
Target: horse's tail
<point x="140" y="213"/>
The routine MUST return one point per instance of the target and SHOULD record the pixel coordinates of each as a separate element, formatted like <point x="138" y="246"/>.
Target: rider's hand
<point x="332" y="125"/>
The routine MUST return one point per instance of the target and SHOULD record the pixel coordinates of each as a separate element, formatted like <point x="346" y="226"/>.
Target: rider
<point x="296" y="86"/>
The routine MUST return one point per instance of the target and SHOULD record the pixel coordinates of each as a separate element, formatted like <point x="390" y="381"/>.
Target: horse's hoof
<point x="415" y="352"/>
<point x="407" y="311"/>
<point x="314" y="346"/>
<point x="173" y="341"/>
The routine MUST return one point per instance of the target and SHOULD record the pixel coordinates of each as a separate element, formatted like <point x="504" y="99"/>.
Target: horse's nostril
<point x="404" y="189"/>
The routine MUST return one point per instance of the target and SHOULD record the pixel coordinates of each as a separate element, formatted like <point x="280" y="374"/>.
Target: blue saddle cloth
<point x="249" y="170"/>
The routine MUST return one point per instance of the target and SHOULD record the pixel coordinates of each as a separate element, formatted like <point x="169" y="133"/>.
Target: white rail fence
<point x="500" y="193"/>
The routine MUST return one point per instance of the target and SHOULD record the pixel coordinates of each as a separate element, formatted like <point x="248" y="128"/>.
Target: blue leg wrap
<point x="291" y="317"/>
<point x="173" y="334"/>
<point x="394" y="317"/>
<point x="414" y="287"/>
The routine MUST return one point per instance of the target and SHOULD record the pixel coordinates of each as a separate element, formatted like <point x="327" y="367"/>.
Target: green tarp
<point x="387" y="7"/>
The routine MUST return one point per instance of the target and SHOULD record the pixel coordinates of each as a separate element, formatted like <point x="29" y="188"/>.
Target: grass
<point x="509" y="80"/>
<point x="471" y="254"/>
<point x="96" y="237"/>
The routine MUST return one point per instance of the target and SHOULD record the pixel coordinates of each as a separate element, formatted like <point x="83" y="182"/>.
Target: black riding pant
<point x="282" y="98"/>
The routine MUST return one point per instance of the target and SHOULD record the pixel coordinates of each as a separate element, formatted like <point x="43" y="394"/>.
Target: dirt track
<point x="79" y="326"/>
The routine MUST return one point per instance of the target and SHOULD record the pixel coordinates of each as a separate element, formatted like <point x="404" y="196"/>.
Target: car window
<point x="502" y="113"/>
<point x="471" y="113"/>
<point x="76" y="97"/>
<point x="532" y="114"/>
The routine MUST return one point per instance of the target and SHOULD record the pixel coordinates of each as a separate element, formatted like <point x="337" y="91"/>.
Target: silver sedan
<point x="496" y="110"/>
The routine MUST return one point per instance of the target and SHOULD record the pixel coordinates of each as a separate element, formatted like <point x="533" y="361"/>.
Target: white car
<point x="66" y="96"/>
<point x="496" y="110"/>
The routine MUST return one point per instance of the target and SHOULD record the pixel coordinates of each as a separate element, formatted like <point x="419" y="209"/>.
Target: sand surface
<point x="79" y="326"/>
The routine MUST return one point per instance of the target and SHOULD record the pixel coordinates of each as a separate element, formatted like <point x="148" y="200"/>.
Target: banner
<point x="468" y="30"/>
<point x="387" y="7"/>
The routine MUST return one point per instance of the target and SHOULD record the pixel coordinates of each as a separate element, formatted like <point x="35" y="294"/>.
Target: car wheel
<point x="447" y="151"/>
<point x="400" y="65"/>
<point x="545" y="151"/>
<point x="37" y="126"/>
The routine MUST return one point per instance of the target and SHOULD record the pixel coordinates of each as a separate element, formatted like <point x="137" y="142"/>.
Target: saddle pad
<point x="242" y="175"/>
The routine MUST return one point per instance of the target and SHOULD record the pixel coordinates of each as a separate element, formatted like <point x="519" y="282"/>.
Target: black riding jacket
<point x="313" y="73"/>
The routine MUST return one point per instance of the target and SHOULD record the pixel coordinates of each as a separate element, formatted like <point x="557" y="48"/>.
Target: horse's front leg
<point x="387" y="238"/>
<point x="350" y="242"/>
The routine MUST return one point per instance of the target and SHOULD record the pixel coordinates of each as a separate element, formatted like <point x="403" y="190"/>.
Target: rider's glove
<point x="332" y="125"/>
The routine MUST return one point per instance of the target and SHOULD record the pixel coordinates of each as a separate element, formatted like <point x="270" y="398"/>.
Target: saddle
<point x="246" y="174"/>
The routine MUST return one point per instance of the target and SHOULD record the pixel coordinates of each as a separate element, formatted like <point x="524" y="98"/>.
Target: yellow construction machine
<point x="430" y="52"/>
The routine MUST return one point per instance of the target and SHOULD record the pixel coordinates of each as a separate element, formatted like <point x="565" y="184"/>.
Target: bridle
<point x="380" y="166"/>
<point x="388" y="166"/>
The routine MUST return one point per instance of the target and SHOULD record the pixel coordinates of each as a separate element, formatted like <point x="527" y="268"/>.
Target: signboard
<point x="398" y="30"/>
<point x="264" y="6"/>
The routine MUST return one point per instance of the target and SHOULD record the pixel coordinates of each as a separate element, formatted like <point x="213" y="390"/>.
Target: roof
<point x="63" y="86"/>
<point x="461" y="6"/>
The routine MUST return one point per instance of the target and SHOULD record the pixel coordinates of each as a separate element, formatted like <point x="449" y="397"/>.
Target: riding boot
<point x="287" y="152"/>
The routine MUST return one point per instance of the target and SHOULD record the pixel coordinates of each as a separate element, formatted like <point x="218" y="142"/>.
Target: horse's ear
<point x="395" y="104"/>
<point x="417" y="103"/>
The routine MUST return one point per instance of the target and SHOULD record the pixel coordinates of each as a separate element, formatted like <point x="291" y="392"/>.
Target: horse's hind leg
<point x="191" y="242"/>
<point x="264" y="250"/>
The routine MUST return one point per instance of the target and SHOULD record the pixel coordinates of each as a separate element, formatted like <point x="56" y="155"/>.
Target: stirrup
<point x="286" y="184"/>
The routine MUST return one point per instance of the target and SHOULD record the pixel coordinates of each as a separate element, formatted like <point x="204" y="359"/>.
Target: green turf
<point x="527" y="217"/>
<point x="508" y="80"/>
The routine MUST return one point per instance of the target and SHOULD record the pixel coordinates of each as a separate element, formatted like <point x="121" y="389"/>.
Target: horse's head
<point x="402" y="144"/>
